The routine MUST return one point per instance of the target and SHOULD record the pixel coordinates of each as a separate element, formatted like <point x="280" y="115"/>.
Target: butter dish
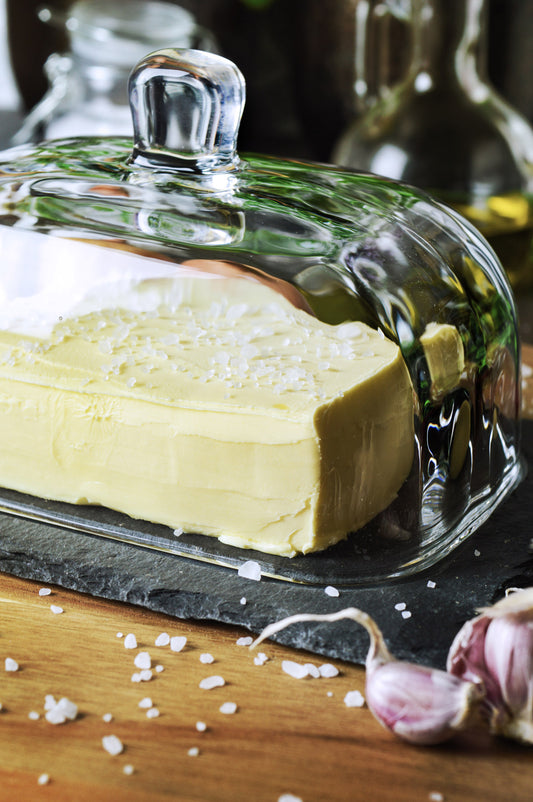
<point x="225" y="355"/>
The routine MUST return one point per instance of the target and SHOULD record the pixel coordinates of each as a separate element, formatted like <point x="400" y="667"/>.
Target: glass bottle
<point x="445" y="129"/>
<point x="88" y="85"/>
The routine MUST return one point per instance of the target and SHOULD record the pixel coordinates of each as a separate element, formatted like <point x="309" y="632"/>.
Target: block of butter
<point x="204" y="403"/>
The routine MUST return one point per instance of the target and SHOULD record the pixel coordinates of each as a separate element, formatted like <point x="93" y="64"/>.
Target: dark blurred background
<point x="298" y="60"/>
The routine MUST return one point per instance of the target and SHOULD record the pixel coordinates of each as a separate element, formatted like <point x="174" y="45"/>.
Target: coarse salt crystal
<point x="228" y="708"/>
<point x="431" y="584"/>
<point x="61" y="711"/>
<point x="146" y="675"/>
<point x="128" y="769"/>
<point x="193" y="751"/>
<point x="120" y="634"/>
<point x="177" y="643"/>
<point x="146" y="702"/>
<point x="49" y="701"/>
<point x="294" y="669"/>
<point x="136" y="677"/>
<point x="331" y="591"/>
<point x="289" y="798"/>
<point x="112" y="744"/>
<point x="260" y="659"/>
<point x="44" y="591"/>
<point x="243" y="600"/>
<point x="354" y="699"/>
<point x="477" y="553"/>
<point x="130" y="641"/>
<point x="436" y="796"/>
<point x="201" y="726"/>
<point x="143" y="660"/>
<point x="153" y="712"/>
<point x="55" y="609"/>
<point x="107" y="717"/>
<point x="312" y="670"/>
<point x="328" y="670"/>
<point x="400" y="606"/>
<point x="245" y="641"/>
<point x="163" y="639"/>
<point x="34" y="715"/>
<point x="406" y="614"/>
<point x="43" y="779"/>
<point x="178" y="532"/>
<point x="159" y="668"/>
<point x="207" y="658"/>
<point x="212" y="682"/>
<point x="250" y="570"/>
<point x="11" y="665"/>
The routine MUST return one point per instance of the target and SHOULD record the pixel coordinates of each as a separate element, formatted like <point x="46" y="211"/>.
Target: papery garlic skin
<point x="496" y="648"/>
<point x="419" y="704"/>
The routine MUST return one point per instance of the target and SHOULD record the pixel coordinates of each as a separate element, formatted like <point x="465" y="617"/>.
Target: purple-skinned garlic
<point x="419" y="704"/>
<point x="496" y="648"/>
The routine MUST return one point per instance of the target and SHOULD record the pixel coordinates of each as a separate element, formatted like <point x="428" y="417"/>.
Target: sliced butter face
<point x="214" y="406"/>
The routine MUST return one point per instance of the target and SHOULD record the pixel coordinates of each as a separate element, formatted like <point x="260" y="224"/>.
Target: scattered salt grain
<point x="245" y="641"/>
<point x="294" y="669"/>
<point x="153" y="712"/>
<point x="107" y="717"/>
<point x="159" y="668"/>
<point x="477" y="553"/>
<point x="112" y="744"/>
<point x="11" y="665"/>
<point x="354" y="699"/>
<point x="250" y="570"/>
<point x="260" y="659"/>
<point x="120" y="634"/>
<point x="193" y="751"/>
<point x="130" y="641"/>
<point x="177" y="643"/>
<point x="243" y="600"/>
<point x="406" y="614"/>
<point x="400" y="606"/>
<point x="163" y="639"/>
<point x="43" y="779"/>
<point x="136" y="677"/>
<point x="228" y="708"/>
<point x="128" y="769"/>
<point x="44" y="591"/>
<point x="56" y="609"/>
<point x="178" y="532"/>
<point x="34" y="715"/>
<point x="143" y="660"/>
<point x="328" y="670"/>
<point x="61" y="711"/>
<point x="289" y="798"/>
<point x="212" y="682"/>
<point x="331" y="591"/>
<point x="49" y="701"/>
<point x="436" y="796"/>
<point x="312" y="670"/>
<point x="431" y="584"/>
<point x="201" y="726"/>
<point x="207" y="658"/>
<point x="146" y="675"/>
<point x="146" y="702"/>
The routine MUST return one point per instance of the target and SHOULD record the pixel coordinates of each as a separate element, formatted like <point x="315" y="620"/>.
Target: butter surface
<point x="212" y="405"/>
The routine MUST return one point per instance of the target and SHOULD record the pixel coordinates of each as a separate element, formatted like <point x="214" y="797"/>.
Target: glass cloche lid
<point x="87" y="222"/>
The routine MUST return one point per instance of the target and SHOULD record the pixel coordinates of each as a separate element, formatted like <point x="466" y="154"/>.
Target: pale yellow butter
<point x="212" y="405"/>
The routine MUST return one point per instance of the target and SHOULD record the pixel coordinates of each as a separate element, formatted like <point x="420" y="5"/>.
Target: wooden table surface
<point x="286" y="736"/>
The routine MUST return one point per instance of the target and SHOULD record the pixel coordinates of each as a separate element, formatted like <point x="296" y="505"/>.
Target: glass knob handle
<point x="186" y="107"/>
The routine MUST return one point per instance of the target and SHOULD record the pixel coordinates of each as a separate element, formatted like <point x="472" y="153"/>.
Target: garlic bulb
<point x="496" y="649"/>
<point x="419" y="704"/>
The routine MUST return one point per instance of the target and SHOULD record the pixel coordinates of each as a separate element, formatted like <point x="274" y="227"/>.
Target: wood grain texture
<point x="287" y="736"/>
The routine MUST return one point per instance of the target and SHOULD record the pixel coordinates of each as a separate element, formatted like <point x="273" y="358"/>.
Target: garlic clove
<point x="421" y="705"/>
<point x="496" y="648"/>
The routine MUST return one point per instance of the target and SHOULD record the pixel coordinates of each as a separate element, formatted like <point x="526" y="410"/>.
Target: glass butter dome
<point x="233" y="357"/>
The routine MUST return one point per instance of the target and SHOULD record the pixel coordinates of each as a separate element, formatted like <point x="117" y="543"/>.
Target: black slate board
<point x="496" y="557"/>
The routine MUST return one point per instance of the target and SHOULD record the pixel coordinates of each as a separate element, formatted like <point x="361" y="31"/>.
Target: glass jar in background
<point x="87" y="94"/>
<point x="445" y="129"/>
